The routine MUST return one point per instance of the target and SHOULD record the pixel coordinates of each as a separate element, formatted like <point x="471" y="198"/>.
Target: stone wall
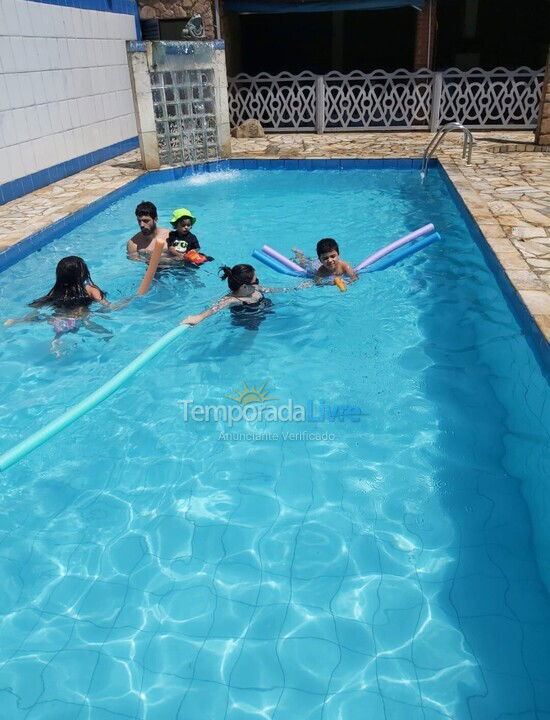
<point x="179" y="10"/>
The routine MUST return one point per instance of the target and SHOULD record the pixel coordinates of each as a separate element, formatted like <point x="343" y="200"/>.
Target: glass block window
<point x="185" y="116"/>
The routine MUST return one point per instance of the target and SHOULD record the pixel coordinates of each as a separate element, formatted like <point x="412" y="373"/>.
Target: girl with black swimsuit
<point x="246" y="301"/>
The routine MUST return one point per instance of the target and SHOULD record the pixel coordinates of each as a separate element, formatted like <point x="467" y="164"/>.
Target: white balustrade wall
<point x="380" y="100"/>
<point x="64" y="87"/>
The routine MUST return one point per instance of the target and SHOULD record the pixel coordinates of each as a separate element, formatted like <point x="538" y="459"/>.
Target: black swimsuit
<point x="250" y="315"/>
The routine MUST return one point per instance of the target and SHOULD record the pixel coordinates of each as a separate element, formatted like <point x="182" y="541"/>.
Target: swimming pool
<point x="386" y="566"/>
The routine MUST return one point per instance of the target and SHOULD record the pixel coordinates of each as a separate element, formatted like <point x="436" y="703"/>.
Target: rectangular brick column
<point x="426" y="29"/>
<point x="542" y="135"/>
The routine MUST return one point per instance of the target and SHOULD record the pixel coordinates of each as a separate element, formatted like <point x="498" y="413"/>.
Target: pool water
<point x="389" y="565"/>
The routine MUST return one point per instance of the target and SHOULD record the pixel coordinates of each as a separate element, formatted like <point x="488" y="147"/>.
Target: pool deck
<point x="506" y="189"/>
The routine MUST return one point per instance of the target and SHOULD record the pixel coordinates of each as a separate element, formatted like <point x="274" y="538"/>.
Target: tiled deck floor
<point x="507" y="193"/>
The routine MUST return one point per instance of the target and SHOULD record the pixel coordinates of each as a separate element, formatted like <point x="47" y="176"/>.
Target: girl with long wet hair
<point x="74" y="291"/>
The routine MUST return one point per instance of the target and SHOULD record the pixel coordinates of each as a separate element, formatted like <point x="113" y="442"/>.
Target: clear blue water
<point x="156" y="568"/>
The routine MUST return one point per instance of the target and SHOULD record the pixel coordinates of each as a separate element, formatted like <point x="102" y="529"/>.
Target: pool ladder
<point x="438" y="137"/>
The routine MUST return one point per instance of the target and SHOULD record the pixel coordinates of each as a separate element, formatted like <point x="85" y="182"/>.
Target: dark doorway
<point x="321" y="42"/>
<point x="492" y="33"/>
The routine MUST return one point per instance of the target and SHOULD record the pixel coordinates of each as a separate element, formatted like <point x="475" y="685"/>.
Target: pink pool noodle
<point x="402" y="241"/>
<point x="282" y="259"/>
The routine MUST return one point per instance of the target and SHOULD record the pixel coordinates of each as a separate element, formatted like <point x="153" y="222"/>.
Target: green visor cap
<point x="182" y="212"/>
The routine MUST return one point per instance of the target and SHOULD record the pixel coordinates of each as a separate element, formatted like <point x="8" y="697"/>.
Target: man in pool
<point x="142" y="243"/>
<point x="329" y="265"/>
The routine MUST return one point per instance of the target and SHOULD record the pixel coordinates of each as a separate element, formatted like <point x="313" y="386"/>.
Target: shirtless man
<point x="143" y="242"/>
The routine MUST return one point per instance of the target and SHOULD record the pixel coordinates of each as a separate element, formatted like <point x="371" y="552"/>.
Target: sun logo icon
<point x="250" y="394"/>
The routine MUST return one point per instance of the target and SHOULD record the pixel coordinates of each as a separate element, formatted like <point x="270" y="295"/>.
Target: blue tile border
<point x="538" y="343"/>
<point x="22" y="186"/>
<point x="121" y="7"/>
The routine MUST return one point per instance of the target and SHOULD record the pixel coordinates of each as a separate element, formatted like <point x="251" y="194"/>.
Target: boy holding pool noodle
<point x="329" y="265"/>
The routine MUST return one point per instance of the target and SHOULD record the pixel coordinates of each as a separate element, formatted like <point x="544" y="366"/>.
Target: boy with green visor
<point x="182" y="243"/>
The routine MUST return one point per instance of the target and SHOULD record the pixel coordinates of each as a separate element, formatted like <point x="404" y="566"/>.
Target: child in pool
<point x="246" y="300"/>
<point x="181" y="241"/>
<point x="329" y="265"/>
<point x="73" y="293"/>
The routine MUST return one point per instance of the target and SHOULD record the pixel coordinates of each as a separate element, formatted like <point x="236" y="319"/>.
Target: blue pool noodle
<point x="395" y="257"/>
<point x="274" y="264"/>
<point x="46" y="433"/>
<point x="392" y="257"/>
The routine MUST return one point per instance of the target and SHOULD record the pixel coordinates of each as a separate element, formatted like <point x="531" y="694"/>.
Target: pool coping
<point x="500" y="254"/>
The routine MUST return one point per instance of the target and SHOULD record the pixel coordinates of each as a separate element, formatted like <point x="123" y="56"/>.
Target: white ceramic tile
<point x="32" y="55"/>
<point x="63" y="22"/>
<point x="89" y="115"/>
<point x="96" y="78"/>
<point x="79" y="19"/>
<point x="40" y="86"/>
<point x="61" y="152"/>
<point x="69" y="143"/>
<point x="91" y="24"/>
<point x="4" y="19"/>
<point x="71" y="84"/>
<point x="40" y="19"/>
<point x="13" y="91"/>
<point x="50" y="154"/>
<point x="43" y="58"/>
<point x="26" y="91"/>
<point x="59" y="85"/>
<point x="19" y="120"/>
<point x="43" y="114"/>
<point x="4" y="99"/>
<point x="23" y="18"/>
<point x="64" y="114"/>
<point x="127" y="27"/>
<point x="46" y="67"/>
<point x="73" y="114"/>
<point x="72" y="22"/>
<point x="131" y="125"/>
<point x="7" y="58"/>
<point x="49" y="21"/>
<point x="86" y="75"/>
<point x="28" y="161"/>
<point x="15" y="162"/>
<point x="52" y="50"/>
<point x="10" y="19"/>
<point x="45" y="87"/>
<point x="80" y="141"/>
<point x="110" y="108"/>
<point x="54" y="110"/>
<point x="6" y="173"/>
<point x="32" y="119"/>
<point x="41" y="148"/>
<point x="119" y="53"/>
<point x="64" y="56"/>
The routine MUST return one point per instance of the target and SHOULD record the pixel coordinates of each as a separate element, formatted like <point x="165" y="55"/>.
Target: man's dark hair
<point x="326" y="245"/>
<point x="146" y="208"/>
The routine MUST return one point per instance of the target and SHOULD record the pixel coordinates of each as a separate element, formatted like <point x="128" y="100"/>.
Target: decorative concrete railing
<point x="400" y="100"/>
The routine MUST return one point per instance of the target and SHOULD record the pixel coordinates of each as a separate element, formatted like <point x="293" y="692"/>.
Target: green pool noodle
<point x="41" y="436"/>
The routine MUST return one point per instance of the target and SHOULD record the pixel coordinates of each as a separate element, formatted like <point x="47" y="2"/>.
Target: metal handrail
<point x="438" y="137"/>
